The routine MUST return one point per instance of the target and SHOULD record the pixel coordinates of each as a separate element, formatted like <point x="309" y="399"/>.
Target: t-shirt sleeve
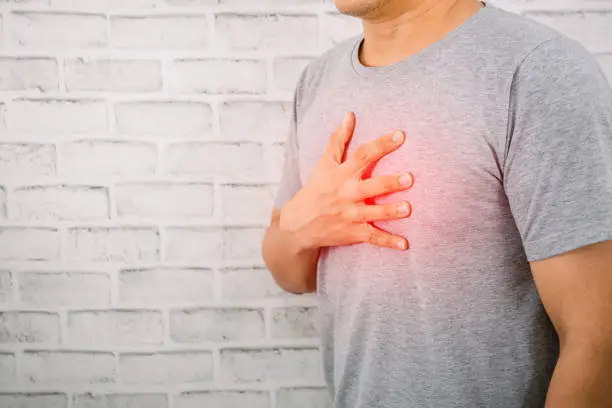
<point x="558" y="161"/>
<point x="290" y="182"/>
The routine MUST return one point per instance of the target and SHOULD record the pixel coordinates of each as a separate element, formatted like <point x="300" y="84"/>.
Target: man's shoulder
<point x="511" y="38"/>
<point x="537" y="48"/>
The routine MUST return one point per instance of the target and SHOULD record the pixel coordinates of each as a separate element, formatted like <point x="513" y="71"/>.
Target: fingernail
<point x="402" y="208"/>
<point x="405" y="179"/>
<point x="346" y="118"/>
<point x="397" y="136"/>
<point x="402" y="244"/>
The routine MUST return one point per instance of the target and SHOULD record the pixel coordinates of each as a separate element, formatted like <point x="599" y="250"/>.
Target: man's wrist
<point x="306" y="241"/>
<point x="301" y="240"/>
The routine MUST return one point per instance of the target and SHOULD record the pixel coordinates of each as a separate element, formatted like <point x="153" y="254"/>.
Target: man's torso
<point x="456" y="320"/>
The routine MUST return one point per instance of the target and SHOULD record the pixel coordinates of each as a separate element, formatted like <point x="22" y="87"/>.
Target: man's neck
<point x="403" y="28"/>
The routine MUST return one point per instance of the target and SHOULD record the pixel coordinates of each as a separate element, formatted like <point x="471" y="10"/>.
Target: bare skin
<point x="330" y="209"/>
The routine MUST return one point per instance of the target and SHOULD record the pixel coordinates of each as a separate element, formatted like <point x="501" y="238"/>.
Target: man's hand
<point x="331" y="208"/>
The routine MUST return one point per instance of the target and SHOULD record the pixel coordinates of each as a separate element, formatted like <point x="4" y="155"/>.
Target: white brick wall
<point x="140" y="147"/>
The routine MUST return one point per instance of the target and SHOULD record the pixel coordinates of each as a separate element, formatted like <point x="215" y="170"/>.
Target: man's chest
<point x="461" y="230"/>
<point x="454" y="146"/>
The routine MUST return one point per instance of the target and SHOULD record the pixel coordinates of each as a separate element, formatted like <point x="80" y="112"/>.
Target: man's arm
<point x="558" y="180"/>
<point x="293" y="266"/>
<point x="576" y="290"/>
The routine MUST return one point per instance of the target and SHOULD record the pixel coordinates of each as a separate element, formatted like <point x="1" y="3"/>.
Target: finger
<point x="380" y="185"/>
<point x="371" y="213"/>
<point x="369" y="153"/>
<point x="336" y="145"/>
<point x="374" y="236"/>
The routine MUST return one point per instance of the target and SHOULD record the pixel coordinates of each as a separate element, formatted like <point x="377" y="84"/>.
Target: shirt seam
<point x="510" y="99"/>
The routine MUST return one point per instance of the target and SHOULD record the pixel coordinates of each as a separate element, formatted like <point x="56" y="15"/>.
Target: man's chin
<point x="358" y="8"/>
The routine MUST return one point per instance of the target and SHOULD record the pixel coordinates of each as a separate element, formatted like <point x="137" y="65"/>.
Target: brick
<point x="29" y="327"/>
<point x="221" y="76"/>
<point x="70" y="289"/>
<point x="159" y="286"/>
<point x="93" y="5"/>
<point x="120" y="401"/>
<point x="115" y="244"/>
<point x="270" y="3"/>
<point x="74" y="367"/>
<point x="8" y="368"/>
<point x="191" y="3"/>
<point x="103" y="5"/>
<point x="235" y="161"/>
<point x="256" y="121"/>
<point x="223" y="399"/>
<point x="202" y="325"/>
<point x="294" y="322"/>
<point x="50" y="30"/>
<point x="28" y="74"/>
<point x="161" y="200"/>
<point x="60" y="202"/>
<point x="114" y="327"/>
<point x="286" y="364"/>
<point x="246" y="202"/>
<point x="113" y="75"/>
<point x="56" y="116"/>
<point x="6" y="287"/>
<point x="29" y="244"/>
<point x="248" y="284"/>
<point x="304" y="397"/>
<point x="160" y="32"/>
<point x="108" y="158"/>
<point x="269" y="32"/>
<point x="336" y="27"/>
<point x="2" y="203"/>
<point x="165" y="118"/>
<point x="287" y="72"/>
<point x="34" y="400"/>
<point x="21" y="160"/>
<point x="573" y="24"/>
<point x="243" y="243"/>
<point x="166" y="368"/>
<point x="605" y="61"/>
<point x="201" y="244"/>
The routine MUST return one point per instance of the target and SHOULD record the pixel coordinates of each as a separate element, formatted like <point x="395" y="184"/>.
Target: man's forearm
<point x="582" y="377"/>
<point x="293" y="266"/>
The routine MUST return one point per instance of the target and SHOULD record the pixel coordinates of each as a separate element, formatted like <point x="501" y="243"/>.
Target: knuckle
<point x="372" y="236"/>
<point x="362" y="215"/>
<point x="361" y="189"/>
<point x="377" y="149"/>
<point x="353" y="214"/>
<point x="390" y="183"/>
<point x="362" y="154"/>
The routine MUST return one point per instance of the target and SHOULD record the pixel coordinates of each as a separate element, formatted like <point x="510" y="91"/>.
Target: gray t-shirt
<point x="509" y="136"/>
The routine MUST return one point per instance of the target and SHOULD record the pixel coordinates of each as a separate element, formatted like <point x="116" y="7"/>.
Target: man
<point x="464" y="257"/>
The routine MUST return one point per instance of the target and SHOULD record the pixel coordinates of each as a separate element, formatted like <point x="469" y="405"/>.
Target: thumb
<point x="341" y="137"/>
